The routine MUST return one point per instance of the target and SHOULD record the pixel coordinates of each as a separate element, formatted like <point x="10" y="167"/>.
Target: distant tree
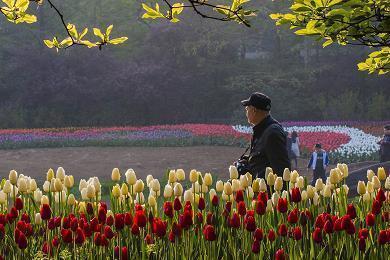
<point x="354" y="22"/>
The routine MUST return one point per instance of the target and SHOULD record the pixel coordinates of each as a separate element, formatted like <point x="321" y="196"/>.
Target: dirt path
<point x="85" y="162"/>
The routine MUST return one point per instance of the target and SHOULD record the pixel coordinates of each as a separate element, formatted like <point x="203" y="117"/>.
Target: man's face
<point x="386" y="132"/>
<point x="250" y="113"/>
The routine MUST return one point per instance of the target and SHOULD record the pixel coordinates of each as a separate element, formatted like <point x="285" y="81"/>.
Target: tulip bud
<point x="155" y="185"/>
<point x="3" y="197"/>
<point x="327" y="193"/>
<point x="205" y="188"/>
<point x="188" y="196"/>
<point x="381" y="174"/>
<point x="233" y="172"/>
<point x="263" y="185"/>
<point x="268" y="170"/>
<point x="387" y="183"/>
<point x="235" y="185"/>
<point x="58" y="185"/>
<point x="212" y="193"/>
<point x="178" y="190"/>
<point x="50" y="174"/>
<point x="208" y="179"/>
<point x="172" y="176"/>
<point x="366" y="197"/>
<point x="304" y="195"/>
<point x="91" y="191"/>
<point x="370" y="174"/>
<point x="271" y="179"/>
<point x="168" y="191"/>
<point x="275" y="197"/>
<point x="82" y="207"/>
<point x="115" y="174"/>
<point x="284" y="194"/>
<point x="22" y="185"/>
<point x="38" y="219"/>
<point x="300" y="182"/>
<point x="278" y="183"/>
<point x="44" y="200"/>
<point x="68" y="182"/>
<point x="219" y="186"/>
<point x="319" y="185"/>
<point x="152" y="201"/>
<point x="249" y="192"/>
<point x="269" y="207"/>
<point x="286" y="174"/>
<point x="149" y="179"/>
<point x="346" y="189"/>
<point x="256" y="185"/>
<point x="224" y="196"/>
<point x="71" y="200"/>
<point x="193" y="176"/>
<point x="376" y="182"/>
<point x="139" y="186"/>
<point x="180" y="175"/>
<point x="227" y="189"/>
<point x="37" y="196"/>
<point x="140" y="199"/>
<point x="316" y="199"/>
<point x="124" y="189"/>
<point x="370" y="187"/>
<point x="334" y="179"/>
<point x="60" y="174"/>
<point x="116" y="191"/>
<point x="7" y="188"/>
<point x="361" y="188"/>
<point x="294" y="176"/>
<point x="310" y="191"/>
<point x="13" y="177"/>
<point x="83" y="184"/>
<point x="131" y="177"/>
<point x="243" y="182"/>
<point x="33" y="185"/>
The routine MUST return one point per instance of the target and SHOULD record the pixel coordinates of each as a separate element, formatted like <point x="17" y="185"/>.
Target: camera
<point x="242" y="166"/>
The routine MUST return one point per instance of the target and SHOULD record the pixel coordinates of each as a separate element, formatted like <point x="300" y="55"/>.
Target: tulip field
<point x="193" y="216"/>
<point x="348" y="141"/>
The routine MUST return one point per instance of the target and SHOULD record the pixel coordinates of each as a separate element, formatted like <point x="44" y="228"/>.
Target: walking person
<point x="295" y="148"/>
<point x="268" y="146"/>
<point x="384" y="152"/>
<point x="318" y="162"/>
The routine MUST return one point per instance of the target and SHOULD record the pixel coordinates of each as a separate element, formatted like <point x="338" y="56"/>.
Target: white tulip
<point x="38" y="219"/>
<point x="131" y="176"/>
<point x="189" y="196"/>
<point x="286" y="174"/>
<point x="7" y="187"/>
<point x="263" y="185"/>
<point x="180" y="174"/>
<point x="219" y="186"/>
<point x="233" y="172"/>
<point x="60" y="173"/>
<point x="178" y="190"/>
<point x="168" y="191"/>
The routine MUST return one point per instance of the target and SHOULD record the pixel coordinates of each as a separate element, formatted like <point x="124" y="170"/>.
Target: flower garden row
<point x="348" y="141"/>
<point x="194" y="217"/>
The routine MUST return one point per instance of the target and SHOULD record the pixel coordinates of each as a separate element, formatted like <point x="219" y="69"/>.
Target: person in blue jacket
<point x="318" y="162"/>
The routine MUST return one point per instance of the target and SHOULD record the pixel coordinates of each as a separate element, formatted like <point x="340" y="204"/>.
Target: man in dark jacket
<point x="384" y="143"/>
<point x="268" y="146"/>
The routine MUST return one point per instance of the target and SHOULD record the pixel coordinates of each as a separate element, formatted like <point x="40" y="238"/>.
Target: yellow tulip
<point x="361" y="188"/>
<point x="227" y="188"/>
<point x="115" y="175"/>
<point x="193" y="176"/>
<point x="116" y="191"/>
<point x="13" y="177"/>
<point x="180" y="174"/>
<point x="279" y="184"/>
<point x="233" y="172"/>
<point x="381" y="174"/>
<point x="219" y="186"/>
<point x="50" y="174"/>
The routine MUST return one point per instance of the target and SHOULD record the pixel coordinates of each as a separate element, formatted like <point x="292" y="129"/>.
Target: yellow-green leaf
<point x="83" y="33"/>
<point x="98" y="33"/>
<point x="177" y="8"/>
<point x="29" y="18"/>
<point x="49" y="43"/>
<point x="9" y="3"/>
<point x="118" y="40"/>
<point x="326" y="43"/>
<point x="109" y="29"/>
<point x="72" y="30"/>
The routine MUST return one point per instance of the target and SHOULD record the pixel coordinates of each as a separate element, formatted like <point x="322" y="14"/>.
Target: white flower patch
<point x="361" y="143"/>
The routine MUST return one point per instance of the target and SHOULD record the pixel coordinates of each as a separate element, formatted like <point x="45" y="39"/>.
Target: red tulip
<point x="18" y="203"/>
<point x="260" y="207"/>
<point x="149" y="239"/>
<point x="29" y="230"/>
<point x="263" y="196"/>
<point x="271" y="235"/>
<point x="168" y="209"/>
<point x="135" y="230"/>
<point x="21" y="226"/>
<point x="293" y="216"/>
<point x="57" y="221"/>
<point x="51" y="224"/>
<point x="386" y="216"/>
<point x="210" y="218"/>
<point x="74" y="224"/>
<point x="14" y="213"/>
<point x="102" y="214"/>
<point x="108" y="232"/>
<point x="317" y="235"/>
<point x="250" y="224"/>
<point x="234" y="221"/>
<point x="140" y="218"/>
<point x="104" y="241"/>
<point x="303" y="219"/>
<point x="97" y="239"/>
<point x="89" y="208"/>
<point x="383" y="237"/>
<point x="171" y="237"/>
<point x="348" y="225"/>
<point x="328" y="227"/>
<point x="351" y="211"/>
<point x="128" y="219"/>
<point x="201" y="204"/>
<point x="185" y="220"/>
<point x="376" y="207"/>
<point x="280" y="255"/>
<point x="241" y="208"/>
<point x="228" y="206"/>
<point x="239" y="196"/>
<point x="45" y="212"/>
<point x="282" y="231"/>
<point x="362" y="244"/>
<point x="296" y="195"/>
<point x="80" y="237"/>
<point x="124" y="253"/>
<point x="119" y="221"/>
<point x="209" y="233"/>
<point x="22" y="241"/>
<point x="2" y="231"/>
<point x="215" y="201"/>
<point x="25" y="217"/>
<point x="319" y="221"/>
<point x="177" y="204"/>
<point x="159" y="228"/>
<point x="370" y="219"/>
<point x="258" y="235"/>
<point x="363" y="233"/>
<point x="3" y="219"/>
<point x="110" y="220"/>
<point x="380" y="196"/>
<point x="55" y="241"/>
<point x="282" y="205"/>
<point x="66" y="223"/>
<point x="45" y="248"/>
<point x="66" y="235"/>
<point x="338" y="224"/>
<point x="256" y="247"/>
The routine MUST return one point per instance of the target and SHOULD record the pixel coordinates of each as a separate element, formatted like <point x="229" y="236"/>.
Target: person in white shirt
<point x="295" y="148"/>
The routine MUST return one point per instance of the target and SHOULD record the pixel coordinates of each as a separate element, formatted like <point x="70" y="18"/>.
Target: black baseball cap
<point x="318" y="145"/>
<point x="258" y="100"/>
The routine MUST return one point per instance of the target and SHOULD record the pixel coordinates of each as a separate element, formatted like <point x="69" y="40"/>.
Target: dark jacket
<point x="268" y="148"/>
<point x="384" y="151"/>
